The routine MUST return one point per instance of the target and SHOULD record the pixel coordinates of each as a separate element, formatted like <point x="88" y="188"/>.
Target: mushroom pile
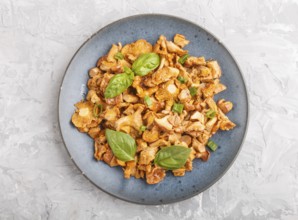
<point x="153" y="97"/>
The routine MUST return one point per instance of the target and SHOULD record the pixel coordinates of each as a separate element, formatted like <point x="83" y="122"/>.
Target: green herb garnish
<point x="148" y="101"/>
<point x="143" y="128"/>
<point x="119" y="83"/>
<point x="177" y="108"/>
<point x="212" y="145"/>
<point x="193" y="91"/>
<point x="145" y="63"/>
<point x="119" y="56"/>
<point x="181" y="79"/>
<point x="123" y="145"/>
<point x="182" y="59"/>
<point x="172" y="157"/>
<point x="97" y="110"/>
<point x="211" y="113"/>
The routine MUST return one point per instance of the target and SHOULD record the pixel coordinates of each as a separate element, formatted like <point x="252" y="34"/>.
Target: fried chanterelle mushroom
<point x="147" y="104"/>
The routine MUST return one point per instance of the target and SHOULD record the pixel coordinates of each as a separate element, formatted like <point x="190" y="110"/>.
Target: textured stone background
<point x="39" y="181"/>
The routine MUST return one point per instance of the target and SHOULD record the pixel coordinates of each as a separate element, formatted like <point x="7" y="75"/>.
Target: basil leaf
<point x="172" y="157"/>
<point x="145" y="63"/>
<point x="129" y="72"/>
<point x="123" y="145"/>
<point x="119" y="83"/>
<point x="182" y="59"/>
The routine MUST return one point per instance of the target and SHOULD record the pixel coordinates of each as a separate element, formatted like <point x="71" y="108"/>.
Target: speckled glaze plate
<point x="80" y="146"/>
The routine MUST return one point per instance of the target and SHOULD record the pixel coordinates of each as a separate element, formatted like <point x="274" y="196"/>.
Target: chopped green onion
<point x="97" y="109"/>
<point x="193" y="91"/>
<point x="143" y="128"/>
<point x="183" y="59"/>
<point x="181" y="79"/>
<point x="212" y="145"/>
<point x="178" y="108"/>
<point x="211" y="113"/>
<point x="147" y="100"/>
<point x="119" y="56"/>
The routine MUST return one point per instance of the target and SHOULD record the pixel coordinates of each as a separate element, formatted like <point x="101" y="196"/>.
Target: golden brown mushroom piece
<point x="198" y="116"/>
<point x="173" y="138"/>
<point x="165" y="74"/>
<point x="130" y="98"/>
<point x="84" y="116"/>
<point x="160" y="143"/>
<point x="173" y="48"/>
<point x="151" y="135"/>
<point x="103" y="82"/>
<point x="93" y="97"/>
<point x="194" y="61"/>
<point x="225" y="106"/>
<point x="211" y="103"/>
<point x="198" y="146"/>
<point x="94" y="71"/>
<point x="215" y="68"/>
<point x="114" y="49"/>
<point x="114" y="101"/>
<point x="134" y="121"/>
<point x="130" y="169"/>
<point x="209" y="125"/>
<point x="180" y="40"/>
<point x="179" y="172"/>
<point x="204" y="73"/>
<point x="208" y="90"/>
<point x="219" y="87"/>
<point x="106" y="65"/>
<point x="93" y="82"/>
<point x="94" y="132"/>
<point x="167" y="92"/>
<point x="141" y="144"/>
<point x="108" y="156"/>
<point x="155" y="176"/>
<point x="195" y="126"/>
<point x="175" y="120"/>
<point x="111" y="114"/>
<point x="184" y="96"/>
<point x="160" y="47"/>
<point x="147" y="155"/>
<point x="133" y="50"/>
<point x="163" y="123"/>
<point x="100" y="146"/>
<point x="186" y="139"/>
<point x="226" y="124"/>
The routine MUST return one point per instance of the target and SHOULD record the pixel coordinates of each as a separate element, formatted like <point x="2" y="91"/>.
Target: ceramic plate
<point x="80" y="146"/>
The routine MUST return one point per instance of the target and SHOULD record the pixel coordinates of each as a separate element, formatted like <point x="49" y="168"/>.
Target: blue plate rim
<point x="245" y="89"/>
